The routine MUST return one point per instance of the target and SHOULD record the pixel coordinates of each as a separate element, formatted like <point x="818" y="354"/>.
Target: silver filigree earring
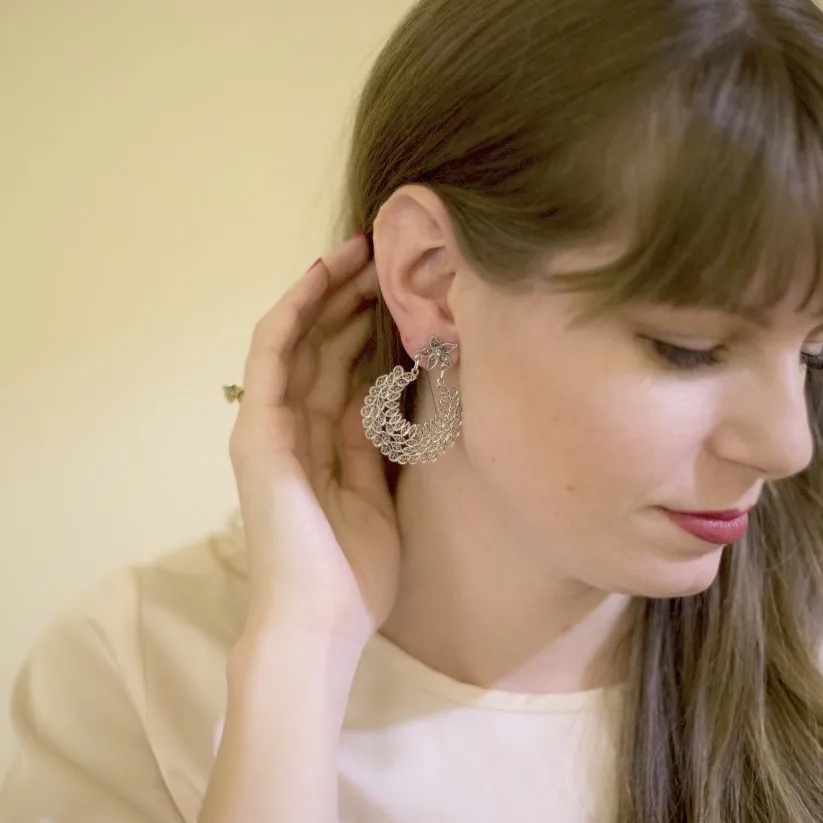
<point x="399" y="439"/>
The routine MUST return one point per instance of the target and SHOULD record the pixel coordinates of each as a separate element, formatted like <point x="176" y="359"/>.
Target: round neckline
<point x="471" y="696"/>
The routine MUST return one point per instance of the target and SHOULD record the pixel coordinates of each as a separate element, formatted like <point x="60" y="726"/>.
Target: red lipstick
<point x="719" y="528"/>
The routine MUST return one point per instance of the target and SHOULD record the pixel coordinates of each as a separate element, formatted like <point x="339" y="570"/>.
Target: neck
<point x="479" y="601"/>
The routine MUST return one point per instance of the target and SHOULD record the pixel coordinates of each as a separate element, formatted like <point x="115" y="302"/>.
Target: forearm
<point x="277" y="762"/>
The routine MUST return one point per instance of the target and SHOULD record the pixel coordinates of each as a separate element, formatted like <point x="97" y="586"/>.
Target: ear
<point x="417" y="257"/>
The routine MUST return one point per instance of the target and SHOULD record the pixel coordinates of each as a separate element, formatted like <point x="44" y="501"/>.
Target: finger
<point x="347" y="260"/>
<point x="342" y="266"/>
<point x="331" y="388"/>
<point x="305" y="364"/>
<point x="326" y="404"/>
<point x="341" y="305"/>
<point x="275" y="336"/>
<point x="338" y="310"/>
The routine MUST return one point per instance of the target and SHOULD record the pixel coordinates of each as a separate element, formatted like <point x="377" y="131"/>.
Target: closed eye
<point x="689" y="359"/>
<point x="812" y="361"/>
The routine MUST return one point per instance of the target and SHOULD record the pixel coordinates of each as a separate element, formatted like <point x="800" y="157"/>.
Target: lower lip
<point x="711" y="529"/>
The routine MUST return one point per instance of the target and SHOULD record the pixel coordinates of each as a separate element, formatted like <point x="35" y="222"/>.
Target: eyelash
<point x="692" y="359"/>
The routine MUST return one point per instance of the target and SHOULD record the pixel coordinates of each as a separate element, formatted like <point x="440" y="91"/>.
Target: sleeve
<point x="82" y="752"/>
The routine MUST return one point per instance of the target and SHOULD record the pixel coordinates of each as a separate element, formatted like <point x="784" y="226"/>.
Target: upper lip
<point x="726" y="514"/>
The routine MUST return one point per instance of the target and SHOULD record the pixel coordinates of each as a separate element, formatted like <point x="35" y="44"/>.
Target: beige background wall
<point x="166" y="169"/>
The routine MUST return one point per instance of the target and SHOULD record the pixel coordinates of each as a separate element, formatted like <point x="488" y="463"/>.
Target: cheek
<point x="569" y="441"/>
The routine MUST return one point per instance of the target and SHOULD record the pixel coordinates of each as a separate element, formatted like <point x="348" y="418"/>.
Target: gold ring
<point x="233" y="393"/>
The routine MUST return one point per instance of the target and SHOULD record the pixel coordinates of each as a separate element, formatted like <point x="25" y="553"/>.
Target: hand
<point x="323" y="544"/>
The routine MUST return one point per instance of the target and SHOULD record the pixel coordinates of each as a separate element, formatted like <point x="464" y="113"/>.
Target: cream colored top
<point x="118" y="713"/>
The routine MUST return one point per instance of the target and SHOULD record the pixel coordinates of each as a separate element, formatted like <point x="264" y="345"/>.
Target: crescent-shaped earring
<point x="399" y="439"/>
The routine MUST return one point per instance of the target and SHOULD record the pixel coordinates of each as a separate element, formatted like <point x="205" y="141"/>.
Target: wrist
<point x="288" y="689"/>
<point x="284" y="651"/>
<point x="320" y="623"/>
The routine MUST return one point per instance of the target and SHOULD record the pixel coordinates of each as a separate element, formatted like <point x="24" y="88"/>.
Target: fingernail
<point x="319" y="260"/>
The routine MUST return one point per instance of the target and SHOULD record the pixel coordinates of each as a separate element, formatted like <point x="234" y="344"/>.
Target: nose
<point x="766" y="426"/>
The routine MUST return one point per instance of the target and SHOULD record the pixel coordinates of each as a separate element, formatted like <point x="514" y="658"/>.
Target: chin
<point x="665" y="579"/>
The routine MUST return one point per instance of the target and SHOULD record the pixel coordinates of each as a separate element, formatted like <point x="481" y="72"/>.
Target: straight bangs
<point x="721" y="188"/>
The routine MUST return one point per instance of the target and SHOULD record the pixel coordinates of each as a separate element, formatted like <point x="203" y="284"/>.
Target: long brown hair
<point x="694" y="127"/>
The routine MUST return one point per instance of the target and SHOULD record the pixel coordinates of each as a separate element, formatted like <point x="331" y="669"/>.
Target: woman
<point x="589" y="589"/>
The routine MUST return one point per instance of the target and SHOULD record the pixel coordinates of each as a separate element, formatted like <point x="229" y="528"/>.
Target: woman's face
<point x="582" y="435"/>
<point x="577" y="436"/>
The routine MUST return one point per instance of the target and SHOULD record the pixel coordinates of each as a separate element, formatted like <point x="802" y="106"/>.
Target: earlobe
<point x="416" y="257"/>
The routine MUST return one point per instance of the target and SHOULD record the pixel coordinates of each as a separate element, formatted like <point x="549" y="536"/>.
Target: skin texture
<point x="522" y="546"/>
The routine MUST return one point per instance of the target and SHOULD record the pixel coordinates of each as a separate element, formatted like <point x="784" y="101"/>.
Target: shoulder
<point x="167" y="617"/>
<point x="131" y="677"/>
<point x="170" y="624"/>
<point x="196" y="595"/>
